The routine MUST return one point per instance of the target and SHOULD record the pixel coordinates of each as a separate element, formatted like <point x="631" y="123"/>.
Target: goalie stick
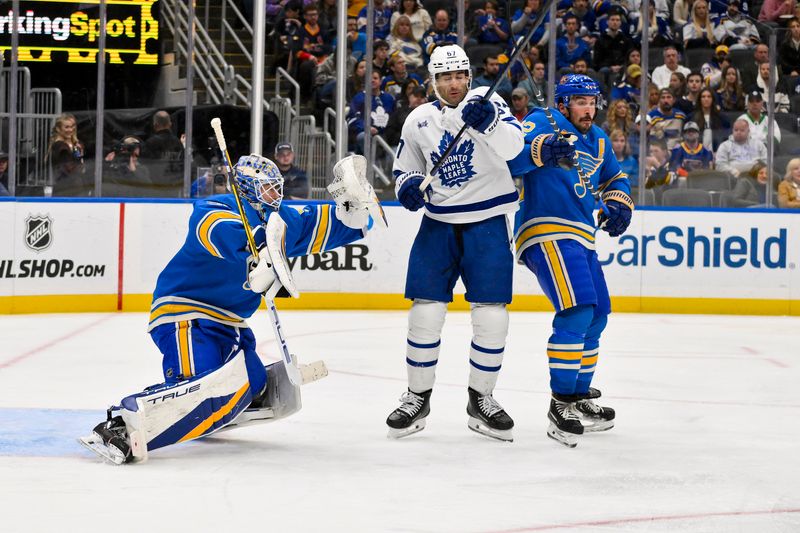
<point x="514" y="55"/>
<point x="291" y="365"/>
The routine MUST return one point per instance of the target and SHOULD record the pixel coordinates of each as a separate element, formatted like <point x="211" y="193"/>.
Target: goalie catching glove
<point x="271" y="274"/>
<point x="355" y="198"/>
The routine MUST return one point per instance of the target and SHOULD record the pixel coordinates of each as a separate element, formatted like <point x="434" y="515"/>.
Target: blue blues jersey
<point x="551" y="208"/>
<point x="206" y="277"/>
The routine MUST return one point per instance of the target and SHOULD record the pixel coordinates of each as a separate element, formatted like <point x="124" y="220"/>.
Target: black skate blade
<point x="477" y="426"/>
<point x="603" y="425"/>
<point x="96" y="444"/>
<point x="570" y="440"/>
<point x="399" y="433"/>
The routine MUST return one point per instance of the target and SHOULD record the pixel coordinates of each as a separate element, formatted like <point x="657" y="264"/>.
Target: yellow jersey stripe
<point x="566" y="356"/>
<point x="187" y="308"/>
<point x="559" y="276"/>
<point x="587" y="361"/>
<point x="203" y="426"/>
<point x="207" y="224"/>
<point x="543" y="229"/>
<point x="183" y="349"/>
<point x="322" y="229"/>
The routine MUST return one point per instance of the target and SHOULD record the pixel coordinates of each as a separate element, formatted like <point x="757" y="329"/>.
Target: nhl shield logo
<point x="38" y="234"/>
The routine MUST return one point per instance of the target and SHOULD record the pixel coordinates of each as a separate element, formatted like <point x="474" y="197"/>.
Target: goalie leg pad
<point x="187" y="410"/>
<point x="489" y="331"/>
<point x="425" y="323"/>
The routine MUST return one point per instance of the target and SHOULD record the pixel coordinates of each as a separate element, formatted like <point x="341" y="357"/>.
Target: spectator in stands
<point x="681" y="12"/>
<point x="622" y="151"/>
<point x="762" y="83"/>
<point x="657" y="175"/>
<point x="523" y="19"/>
<point x="382" y="106"/>
<point x="690" y="154"/>
<point x="713" y="126"/>
<point x="629" y="89"/>
<point x="212" y="181"/>
<point x="382" y="17"/>
<point x="677" y="82"/>
<point x="634" y="58"/>
<point x="67" y="173"/>
<point x="773" y="10"/>
<point x="517" y="72"/>
<point x="325" y="77"/>
<point x="653" y="96"/>
<point x="491" y="28"/>
<point x="734" y="30"/>
<point x="570" y="47"/>
<point x="328" y="15"/>
<point x="296" y="184"/>
<point x="736" y="155"/>
<point x="402" y="42"/>
<point x="520" y="103"/>
<point x="313" y="51"/>
<point x="789" y="50"/>
<point x="580" y="66"/>
<point x="611" y="50"/>
<point x="399" y="76"/>
<point x="749" y="71"/>
<point x="659" y="31"/>
<point x="4" y="174"/>
<point x="666" y="122"/>
<point x="440" y="33"/>
<point x="380" y="57"/>
<point x="751" y="187"/>
<point x="689" y="101"/>
<point x="789" y="188"/>
<point x="491" y="69"/>
<point x="418" y="17"/>
<point x="757" y="119"/>
<point x="661" y="74"/>
<point x="124" y="168"/>
<point x="699" y="31"/>
<point x="163" y="144"/>
<point x="288" y="30"/>
<point x="65" y="131"/>
<point x="730" y="96"/>
<point x="538" y="89"/>
<point x="712" y="71"/>
<point x="620" y="118"/>
<point x="394" y="128"/>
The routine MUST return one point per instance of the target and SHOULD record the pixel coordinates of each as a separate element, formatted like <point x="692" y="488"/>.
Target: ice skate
<point x="109" y="440"/>
<point x="409" y="418"/>
<point x="594" y="417"/>
<point x="487" y="417"/>
<point x="565" y="426"/>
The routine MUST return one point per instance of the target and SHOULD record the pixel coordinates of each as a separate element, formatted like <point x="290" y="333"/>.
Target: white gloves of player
<point x="262" y="276"/>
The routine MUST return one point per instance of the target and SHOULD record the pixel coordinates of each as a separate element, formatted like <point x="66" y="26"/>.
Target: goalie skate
<point x="109" y="440"/>
<point x="565" y="426"/>
<point x="487" y="417"/>
<point x="594" y="417"/>
<point x="409" y="418"/>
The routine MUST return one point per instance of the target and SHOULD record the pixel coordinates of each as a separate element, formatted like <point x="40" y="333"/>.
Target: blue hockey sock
<point x="565" y="347"/>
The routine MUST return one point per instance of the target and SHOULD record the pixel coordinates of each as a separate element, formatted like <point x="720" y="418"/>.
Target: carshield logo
<point x="38" y="232"/>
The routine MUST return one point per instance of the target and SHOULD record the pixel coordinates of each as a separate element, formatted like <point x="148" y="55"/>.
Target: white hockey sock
<point x="425" y="322"/>
<point x="489" y="326"/>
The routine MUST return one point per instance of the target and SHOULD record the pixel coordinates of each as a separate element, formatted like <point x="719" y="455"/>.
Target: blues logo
<point x="457" y="169"/>
<point x="589" y="163"/>
<point x="38" y="235"/>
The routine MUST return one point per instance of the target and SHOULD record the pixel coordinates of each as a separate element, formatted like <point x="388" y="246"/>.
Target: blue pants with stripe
<point x="192" y="347"/>
<point x="572" y="279"/>
<point x="478" y="252"/>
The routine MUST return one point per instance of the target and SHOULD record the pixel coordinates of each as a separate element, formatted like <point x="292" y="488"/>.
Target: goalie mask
<point x="259" y="181"/>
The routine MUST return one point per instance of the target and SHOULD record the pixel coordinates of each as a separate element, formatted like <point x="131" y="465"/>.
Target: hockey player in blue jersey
<point x="201" y="302"/>
<point x="464" y="233"/>
<point x="555" y="239"/>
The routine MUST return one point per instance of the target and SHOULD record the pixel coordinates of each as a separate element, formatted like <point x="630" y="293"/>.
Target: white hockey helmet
<point x="259" y="182"/>
<point x="448" y="58"/>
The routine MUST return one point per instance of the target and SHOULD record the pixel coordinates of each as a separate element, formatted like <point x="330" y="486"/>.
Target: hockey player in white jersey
<point x="464" y="233"/>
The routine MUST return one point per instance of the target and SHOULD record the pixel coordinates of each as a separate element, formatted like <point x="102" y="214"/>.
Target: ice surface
<point x="707" y="434"/>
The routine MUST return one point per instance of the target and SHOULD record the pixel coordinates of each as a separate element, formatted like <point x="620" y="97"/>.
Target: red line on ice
<point x="53" y="342"/>
<point x="121" y="257"/>
<point x="645" y="519"/>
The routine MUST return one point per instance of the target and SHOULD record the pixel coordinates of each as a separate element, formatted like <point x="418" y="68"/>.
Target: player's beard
<point x="584" y="122"/>
<point x="458" y="94"/>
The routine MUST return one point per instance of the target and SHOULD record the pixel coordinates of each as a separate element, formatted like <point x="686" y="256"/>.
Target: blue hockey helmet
<point x="259" y="181"/>
<point x="576" y="85"/>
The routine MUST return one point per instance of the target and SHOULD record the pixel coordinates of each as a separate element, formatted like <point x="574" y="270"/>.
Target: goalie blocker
<point x="219" y="399"/>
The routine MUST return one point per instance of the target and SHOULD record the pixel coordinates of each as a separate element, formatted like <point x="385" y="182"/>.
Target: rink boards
<point x="106" y="255"/>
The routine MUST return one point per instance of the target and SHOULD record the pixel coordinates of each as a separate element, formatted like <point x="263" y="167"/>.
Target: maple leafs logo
<point x="457" y="169"/>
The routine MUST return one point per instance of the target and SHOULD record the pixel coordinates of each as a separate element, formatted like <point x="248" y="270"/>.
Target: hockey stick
<point x="291" y="367"/>
<point x="517" y="50"/>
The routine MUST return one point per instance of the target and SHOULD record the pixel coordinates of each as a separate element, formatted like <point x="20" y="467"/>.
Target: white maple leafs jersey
<point x="474" y="183"/>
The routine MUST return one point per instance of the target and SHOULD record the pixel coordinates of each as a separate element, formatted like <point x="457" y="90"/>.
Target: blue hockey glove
<point x="407" y="190"/>
<point x="549" y="150"/>
<point x="615" y="218"/>
<point x="479" y="114"/>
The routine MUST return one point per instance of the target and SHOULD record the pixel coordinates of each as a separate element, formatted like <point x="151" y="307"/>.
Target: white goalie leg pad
<point x="190" y="409"/>
<point x="489" y="331"/>
<point x="354" y="196"/>
<point x="425" y="323"/>
<point x="276" y="244"/>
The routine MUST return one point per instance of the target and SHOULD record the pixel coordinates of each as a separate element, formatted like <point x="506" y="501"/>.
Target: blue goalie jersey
<point x="554" y="204"/>
<point x="191" y="286"/>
